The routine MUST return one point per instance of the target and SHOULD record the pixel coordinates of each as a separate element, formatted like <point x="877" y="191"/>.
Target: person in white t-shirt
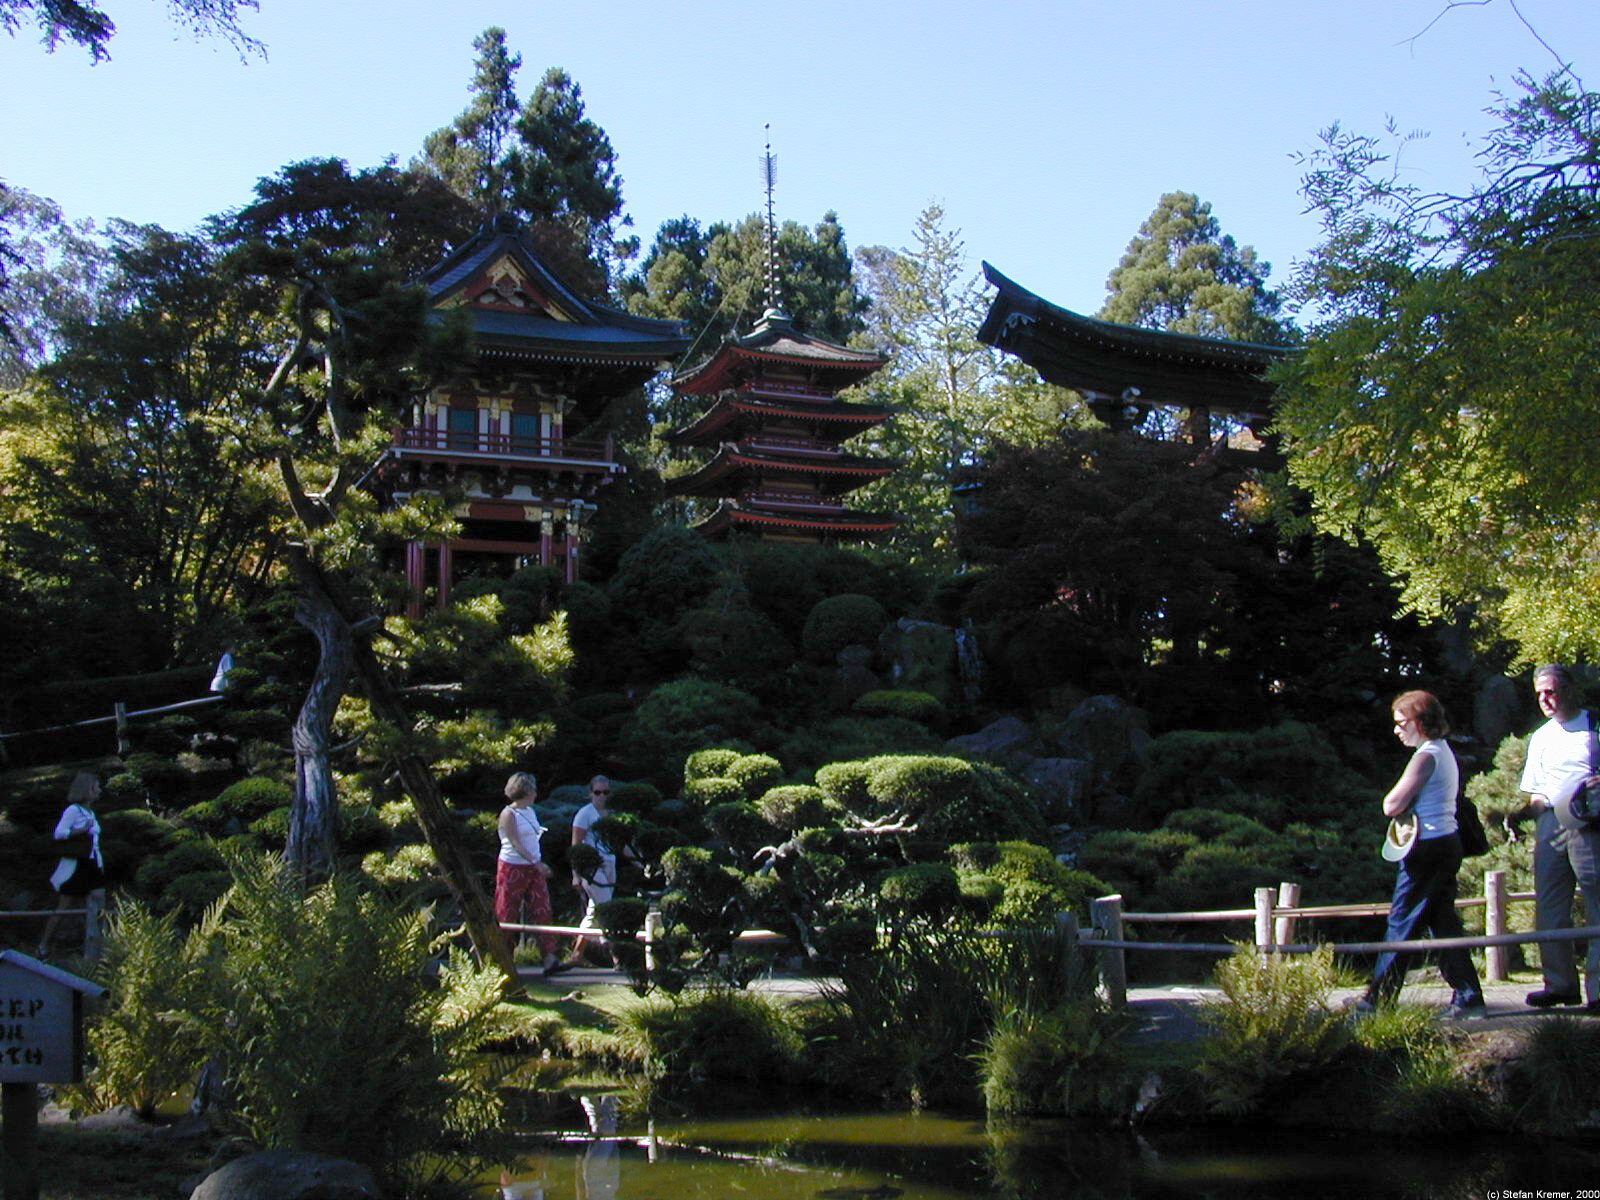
<point x="1561" y="760"/>
<point x="603" y="886"/>
<point x="79" y="879"/>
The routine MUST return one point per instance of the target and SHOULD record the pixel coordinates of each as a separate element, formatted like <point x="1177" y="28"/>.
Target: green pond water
<point x="594" y="1148"/>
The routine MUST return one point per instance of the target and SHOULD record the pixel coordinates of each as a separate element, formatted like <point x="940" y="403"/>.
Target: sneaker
<point x="1466" y="1012"/>
<point x="1545" y="998"/>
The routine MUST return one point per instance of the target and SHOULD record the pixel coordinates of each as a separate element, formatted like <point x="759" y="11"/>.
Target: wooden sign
<point x="41" y="1021"/>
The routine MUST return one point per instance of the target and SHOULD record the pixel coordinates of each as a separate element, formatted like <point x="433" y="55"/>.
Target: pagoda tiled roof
<point x="833" y="467"/>
<point x="1150" y="366"/>
<point x="590" y="333"/>
<point x="847" y="419"/>
<point x="732" y="513"/>
<point x="776" y="341"/>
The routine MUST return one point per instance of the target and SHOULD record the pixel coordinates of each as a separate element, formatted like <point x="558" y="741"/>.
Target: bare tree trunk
<point x="313" y="817"/>
<point x="477" y="914"/>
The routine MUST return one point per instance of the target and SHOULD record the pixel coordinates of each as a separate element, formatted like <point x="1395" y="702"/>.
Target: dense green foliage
<point x="1454" y="353"/>
<point x="1182" y="273"/>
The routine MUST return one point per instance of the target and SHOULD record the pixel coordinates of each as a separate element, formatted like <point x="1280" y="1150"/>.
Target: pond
<point x="593" y="1148"/>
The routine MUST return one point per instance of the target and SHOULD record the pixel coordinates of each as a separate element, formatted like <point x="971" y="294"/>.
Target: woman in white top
<point x="521" y="880"/>
<point x="1424" y="901"/>
<point x="79" y="880"/>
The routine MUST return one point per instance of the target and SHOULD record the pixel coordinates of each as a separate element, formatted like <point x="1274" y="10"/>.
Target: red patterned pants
<point x="522" y="897"/>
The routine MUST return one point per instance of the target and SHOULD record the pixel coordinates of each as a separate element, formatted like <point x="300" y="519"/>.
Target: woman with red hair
<point x="1424" y="899"/>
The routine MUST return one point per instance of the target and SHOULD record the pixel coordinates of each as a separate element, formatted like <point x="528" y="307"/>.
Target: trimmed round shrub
<point x="638" y="798"/>
<point x="679" y="718"/>
<point x="741" y="826"/>
<point x="906" y="704"/>
<point x="187" y="856"/>
<point x="847" y="784"/>
<point x="618" y="830"/>
<point x="160" y="775"/>
<point x="840" y="621"/>
<point x="211" y="817"/>
<point x="399" y="817"/>
<point x="408" y="865"/>
<point x="755" y="773"/>
<point x="794" y="807"/>
<point x="125" y="788"/>
<point x="707" y="793"/>
<point x="190" y="895"/>
<point x="704" y="764"/>
<point x="621" y="918"/>
<point x="274" y="827"/>
<point x="920" y="783"/>
<point x="818" y="839"/>
<point x="663" y="574"/>
<point x="847" y="938"/>
<point x="255" y="796"/>
<point x="921" y="890"/>
<point x="168" y="737"/>
<point x="584" y="860"/>
<point x="653" y="841"/>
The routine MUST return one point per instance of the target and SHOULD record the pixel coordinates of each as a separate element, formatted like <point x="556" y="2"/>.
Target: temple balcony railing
<point x="778" y="444"/>
<point x="501" y="447"/>
<point x="797" y="501"/>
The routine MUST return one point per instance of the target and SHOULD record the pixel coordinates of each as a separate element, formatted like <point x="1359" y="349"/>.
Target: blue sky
<point x="1046" y="129"/>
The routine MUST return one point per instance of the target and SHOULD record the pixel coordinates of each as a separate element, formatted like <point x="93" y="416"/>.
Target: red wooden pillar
<point x="446" y="566"/>
<point x="416" y="578"/>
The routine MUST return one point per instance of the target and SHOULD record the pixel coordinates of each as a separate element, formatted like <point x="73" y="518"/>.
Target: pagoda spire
<point x="769" y="177"/>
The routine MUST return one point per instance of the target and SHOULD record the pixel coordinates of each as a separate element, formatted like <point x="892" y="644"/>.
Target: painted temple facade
<point x="775" y="428"/>
<point x="508" y="437"/>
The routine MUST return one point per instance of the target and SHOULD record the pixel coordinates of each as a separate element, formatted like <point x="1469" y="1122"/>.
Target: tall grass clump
<point x="1553" y="1086"/>
<point x="1054" y="1046"/>
<point x="1273" y="1023"/>
<point x="1418" y="1068"/>
<point x="714" y="1033"/>
<point x="916" y="1020"/>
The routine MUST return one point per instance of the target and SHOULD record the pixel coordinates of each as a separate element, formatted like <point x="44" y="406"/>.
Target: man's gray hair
<point x="1555" y="671"/>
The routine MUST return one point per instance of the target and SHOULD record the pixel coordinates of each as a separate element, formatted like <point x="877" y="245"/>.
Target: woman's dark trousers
<point x="1425" y="903"/>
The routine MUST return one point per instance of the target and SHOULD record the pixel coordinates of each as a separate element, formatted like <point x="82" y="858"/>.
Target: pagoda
<point x="776" y="428"/>
<point x="546" y="361"/>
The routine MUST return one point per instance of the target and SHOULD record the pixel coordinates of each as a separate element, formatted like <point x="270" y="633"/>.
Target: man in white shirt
<point x="1561" y="758"/>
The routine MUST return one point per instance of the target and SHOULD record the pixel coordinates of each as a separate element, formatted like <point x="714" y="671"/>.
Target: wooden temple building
<point x="1123" y="370"/>
<point x="546" y="362"/>
<point x="776" y="428"/>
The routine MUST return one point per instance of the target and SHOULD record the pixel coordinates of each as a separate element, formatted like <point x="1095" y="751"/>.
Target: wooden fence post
<point x="1264" y="942"/>
<point x="93" y="909"/>
<point x="1496" y="959"/>
<point x="1106" y="916"/>
<point x="119" y="713"/>
<point x="1288" y="897"/>
<point x="652" y="934"/>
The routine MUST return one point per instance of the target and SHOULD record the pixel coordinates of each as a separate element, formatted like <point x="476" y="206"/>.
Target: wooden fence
<point x="1276" y="914"/>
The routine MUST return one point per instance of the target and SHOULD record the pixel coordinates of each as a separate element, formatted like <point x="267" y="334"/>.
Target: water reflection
<point x="600" y="1148"/>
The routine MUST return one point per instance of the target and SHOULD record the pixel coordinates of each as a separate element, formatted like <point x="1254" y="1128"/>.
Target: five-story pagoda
<point x="776" y="427"/>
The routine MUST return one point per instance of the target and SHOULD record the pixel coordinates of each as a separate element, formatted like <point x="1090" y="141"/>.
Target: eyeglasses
<point x="600" y="791"/>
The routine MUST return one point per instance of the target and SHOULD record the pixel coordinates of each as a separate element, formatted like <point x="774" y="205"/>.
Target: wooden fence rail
<point x="1275" y="915"/>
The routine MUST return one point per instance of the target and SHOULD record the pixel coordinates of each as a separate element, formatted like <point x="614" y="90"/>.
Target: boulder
<point x="288" y="1175"/>
<point x="922" y="657"/>
<point x="1497" y="710"/>
<point x="1063" y="786"/>
<point x="1109" y="732"/>
<point x="1008" y="739"/>
<point x="855" y="676"/>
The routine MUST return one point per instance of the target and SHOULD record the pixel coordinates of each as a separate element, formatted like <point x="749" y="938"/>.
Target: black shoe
<point x="1545" y="998"/>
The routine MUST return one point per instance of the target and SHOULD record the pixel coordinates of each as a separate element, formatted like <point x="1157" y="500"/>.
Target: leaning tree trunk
<point x="433" y="814"/>
<point x="313" y="817"/>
